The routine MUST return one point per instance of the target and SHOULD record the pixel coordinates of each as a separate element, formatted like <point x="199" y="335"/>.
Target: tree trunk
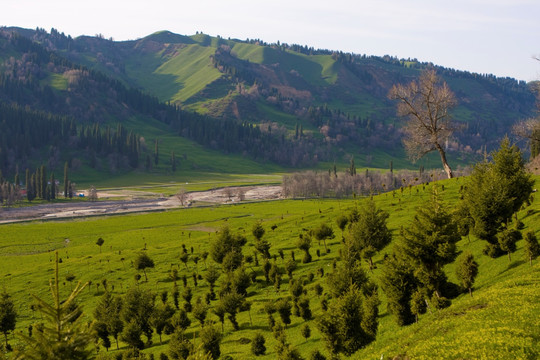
<point x="446" y="167"/>
<point x="470" y="291"/>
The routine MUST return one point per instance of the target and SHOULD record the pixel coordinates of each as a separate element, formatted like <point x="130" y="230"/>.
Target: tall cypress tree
<point x="173" y="161"/>
<point x="31" y="188"/>
<point x="66" y="179"/>
<point x="156" y="152"/>
<point x="37" y="183"/>
<point x="27" y="181"/>
<point x="52" y="188"/>
<point x="43" y="182"/>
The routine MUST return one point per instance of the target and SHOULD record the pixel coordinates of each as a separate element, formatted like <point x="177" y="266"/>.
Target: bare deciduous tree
<point x="530" y="129"/>
<point x="426" y="103"/>
<point x="228" y="192"/>
<point x="92" y="193"/>
<point x="182" y="196"/>
<point x="241" y="194"/>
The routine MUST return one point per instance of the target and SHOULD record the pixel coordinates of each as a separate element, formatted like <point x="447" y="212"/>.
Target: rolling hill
<point x="290" y="105"/>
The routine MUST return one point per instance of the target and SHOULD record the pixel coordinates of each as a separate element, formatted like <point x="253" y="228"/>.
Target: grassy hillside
<point x="175" y="76"/>
<point x="499" y="321"/>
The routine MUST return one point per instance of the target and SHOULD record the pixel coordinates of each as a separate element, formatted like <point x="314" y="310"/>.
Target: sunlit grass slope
<point x="500" y="321"/>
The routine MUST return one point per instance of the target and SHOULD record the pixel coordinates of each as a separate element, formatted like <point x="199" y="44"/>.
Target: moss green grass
<point x="499" y="321"/>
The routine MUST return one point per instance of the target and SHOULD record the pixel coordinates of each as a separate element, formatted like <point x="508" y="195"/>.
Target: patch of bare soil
<point x="150" y="203"/>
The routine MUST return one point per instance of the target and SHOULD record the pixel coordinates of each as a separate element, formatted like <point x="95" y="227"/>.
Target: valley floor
<point x="136" y="202"/>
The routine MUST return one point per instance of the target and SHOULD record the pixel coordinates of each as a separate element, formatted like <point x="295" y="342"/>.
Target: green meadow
<point x="500" y="321"/>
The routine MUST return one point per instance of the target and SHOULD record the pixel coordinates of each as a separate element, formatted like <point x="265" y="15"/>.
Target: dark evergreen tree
<point x="225" y="243"/>
<point x="370" y="233"/>
<point x="173" y="161"/>
<point x="261" y="245"/>
<point x="8" y="316"/>
<point x="507" y="240"/>
<point x="30" y="186"/>
<point x="284" y="309"/>
<point x="352" y="167"/>
<point x="66" y="180"/>
<point x="143" y="262"/>
<point x="232" y="303"/>
<point x="100" y="242"/>
<point x="211" y="275"/>
<point x="532" y="247"/>
<point x="324" y="232"/>
<point x="398" y="283"/>
<point x="466" y="270"/>
<point x="258" y="344"/>
<point x="429" y="243"/>
<point x="161" y="319"/>
<point x="210" y="340"/>
<point x="305" y="330"/>
<point x="102" y="333"/>
<point x="304" y="244"/>
<point x="495" y="191"/>
<point x="156" y="152"/>
<point x="63" y="334"/>
<point x="181" y="320"/>
<point x="351" y="322"/>
<point x="199" y="311"/>
<point x="342" y="222"/>
<point x="131" y="335"/>
<point x="137" y="310"/>
<point x="179" y="345"/>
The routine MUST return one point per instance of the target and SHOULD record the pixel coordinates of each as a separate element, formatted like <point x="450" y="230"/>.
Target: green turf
<point x="499" y="322"/>
<point x="58" y="82"/>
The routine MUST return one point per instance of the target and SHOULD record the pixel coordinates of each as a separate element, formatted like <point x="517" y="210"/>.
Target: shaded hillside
<point x="36" y="79"/>
<point x="319" y="105"/>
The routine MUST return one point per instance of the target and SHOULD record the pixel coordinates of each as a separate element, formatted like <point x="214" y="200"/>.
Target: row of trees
<point x="24" y="134"/>
<point x="341" y="184"/>
<point x="37" y="185"/>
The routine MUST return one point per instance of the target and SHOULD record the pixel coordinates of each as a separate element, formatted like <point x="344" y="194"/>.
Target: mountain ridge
<point x="337" y="100"/>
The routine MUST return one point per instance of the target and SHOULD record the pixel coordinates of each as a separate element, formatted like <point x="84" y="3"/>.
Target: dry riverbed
<point x="148" y="202"/>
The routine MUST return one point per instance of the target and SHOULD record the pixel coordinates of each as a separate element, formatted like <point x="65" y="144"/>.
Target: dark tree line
<point x="24" y="132"/>
<point x="20" y="84"/>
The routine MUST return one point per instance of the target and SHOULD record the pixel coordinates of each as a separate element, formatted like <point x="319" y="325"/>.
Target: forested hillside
<point x="288" y="104"/>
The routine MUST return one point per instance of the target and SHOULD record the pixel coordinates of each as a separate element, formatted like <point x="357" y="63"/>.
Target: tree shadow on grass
<point x="513" y="264"/>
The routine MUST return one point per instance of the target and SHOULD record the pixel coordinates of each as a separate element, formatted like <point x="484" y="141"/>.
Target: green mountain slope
<point x="326" y="106"/>
<point x="55" y="110"/>
<point x="202" y="71"/>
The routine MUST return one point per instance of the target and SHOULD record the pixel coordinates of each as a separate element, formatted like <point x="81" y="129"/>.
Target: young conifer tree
<point x="63" y="335"/>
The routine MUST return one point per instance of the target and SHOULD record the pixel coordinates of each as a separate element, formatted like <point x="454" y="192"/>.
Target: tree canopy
<point x="495" y="191"/>
<point x="426" y="103"/>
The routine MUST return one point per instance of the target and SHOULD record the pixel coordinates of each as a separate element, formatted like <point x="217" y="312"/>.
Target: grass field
<point x="501" y="320"/>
